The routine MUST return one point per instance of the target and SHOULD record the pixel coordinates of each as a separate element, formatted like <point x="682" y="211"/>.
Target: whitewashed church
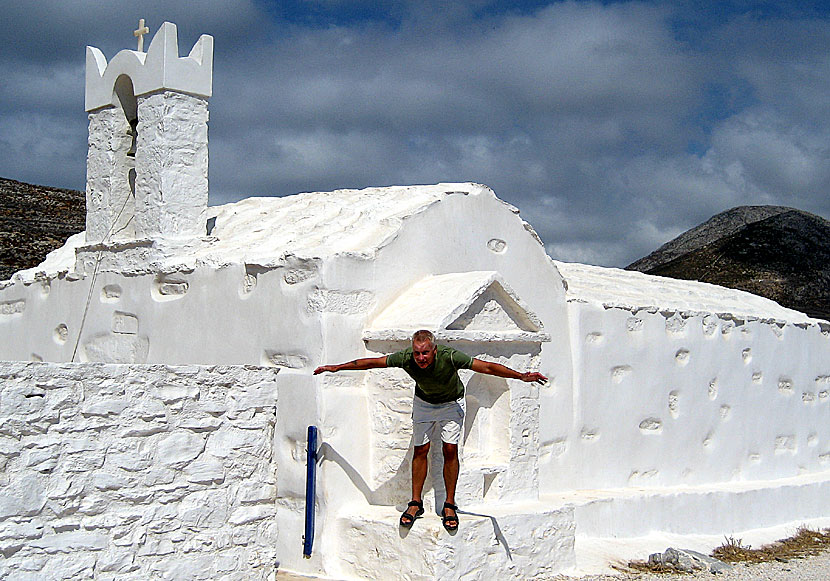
<point x="156" y="378"/>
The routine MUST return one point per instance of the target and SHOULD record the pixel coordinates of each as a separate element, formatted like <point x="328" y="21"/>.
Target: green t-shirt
<point x="438" y="383"/>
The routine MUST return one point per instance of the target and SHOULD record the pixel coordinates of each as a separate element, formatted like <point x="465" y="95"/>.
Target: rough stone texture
<point x="687" y="561"/>
<point x="171" y="166"/>
<point x="34" y="220"/>
<point x="110" y="201"/>
<point x="159" y="190"/>
<point x="136" y="471"/>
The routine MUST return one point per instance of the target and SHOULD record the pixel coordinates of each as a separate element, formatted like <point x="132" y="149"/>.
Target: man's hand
<point x="499" y="370"/>
<point x="534" y="376"/>
<point x="322" y="368"/>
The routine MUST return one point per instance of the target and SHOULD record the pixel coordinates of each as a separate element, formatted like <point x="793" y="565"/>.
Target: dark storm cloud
<point x="613" y="127"/>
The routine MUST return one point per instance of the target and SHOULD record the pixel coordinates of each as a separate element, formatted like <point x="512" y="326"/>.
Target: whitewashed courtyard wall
<point x="667" y="398"/>
<point x="137" y="471"/>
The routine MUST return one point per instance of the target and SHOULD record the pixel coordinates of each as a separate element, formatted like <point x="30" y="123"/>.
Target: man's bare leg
<point x="420" y="464"/>
<point x="450" y="473"/>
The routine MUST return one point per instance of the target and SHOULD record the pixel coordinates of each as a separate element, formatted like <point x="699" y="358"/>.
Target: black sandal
<point x="407" y="519"/>
<point x="450" y="522"/>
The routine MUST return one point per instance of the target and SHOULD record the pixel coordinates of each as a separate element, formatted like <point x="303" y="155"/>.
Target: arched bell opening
<point x="124" y="178"/>
<point x="129" y="106"/>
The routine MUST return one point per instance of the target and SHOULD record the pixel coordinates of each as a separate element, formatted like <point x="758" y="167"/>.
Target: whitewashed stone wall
<point x="136" y="471"/>
<point x="668" y="398"/>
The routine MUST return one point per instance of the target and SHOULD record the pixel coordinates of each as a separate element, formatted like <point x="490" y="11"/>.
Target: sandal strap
<point x="417" y="503"/>
<point x="451" y="506"/>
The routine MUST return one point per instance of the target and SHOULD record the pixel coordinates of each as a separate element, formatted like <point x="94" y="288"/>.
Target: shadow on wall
<point x="327" y="453"/>
<point x="500" y="538"/>
<point x="374" y="497"/>
<point x="487" y="422"/>
<point x="391" y="487"/>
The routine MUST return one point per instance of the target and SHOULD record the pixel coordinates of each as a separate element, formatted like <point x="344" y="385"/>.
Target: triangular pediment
<point x="495" y="310"/>
<point x="475" y="305"/>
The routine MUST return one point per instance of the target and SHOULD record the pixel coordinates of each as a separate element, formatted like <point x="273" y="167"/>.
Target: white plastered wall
<point x="665" y="399"/>
<point x="451" y="236"/>
<point x="137" y="471"/>
<point x="204" y="315"/>
<point x="171" y="166"/>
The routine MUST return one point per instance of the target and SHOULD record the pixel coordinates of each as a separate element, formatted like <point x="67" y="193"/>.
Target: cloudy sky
<point x="612" y="126"/>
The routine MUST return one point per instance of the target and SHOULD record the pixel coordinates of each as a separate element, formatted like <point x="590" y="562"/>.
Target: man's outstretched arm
<point x="356" y="365"/>
<point x="499" y="370"/>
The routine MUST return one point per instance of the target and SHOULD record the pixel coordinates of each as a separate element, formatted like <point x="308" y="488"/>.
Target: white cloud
<point x="782" y="159"/>
<point x="594" y="119"/>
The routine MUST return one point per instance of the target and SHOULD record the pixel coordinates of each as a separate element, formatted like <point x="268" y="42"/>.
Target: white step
<point x="503" y="541"/>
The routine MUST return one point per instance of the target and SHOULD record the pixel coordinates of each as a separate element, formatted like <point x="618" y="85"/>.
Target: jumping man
<point x="439" y="405"/>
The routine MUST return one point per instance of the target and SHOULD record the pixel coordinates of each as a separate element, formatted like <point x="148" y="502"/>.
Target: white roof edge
<point x="636" y="291"/>
<point x="405" y="334"/>
<point x="266" y="230"/>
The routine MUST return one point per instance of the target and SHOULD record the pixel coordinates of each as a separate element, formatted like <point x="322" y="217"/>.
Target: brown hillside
<point x="779" y="253"/>
<point x="34" y="220"/>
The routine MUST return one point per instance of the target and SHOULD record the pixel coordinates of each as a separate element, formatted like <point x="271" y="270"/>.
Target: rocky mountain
<point x="776" y="252"/>
<point x="34" y="220"/>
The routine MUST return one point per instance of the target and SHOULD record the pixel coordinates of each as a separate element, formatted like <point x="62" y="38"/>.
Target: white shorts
<point x="430" y="418"/>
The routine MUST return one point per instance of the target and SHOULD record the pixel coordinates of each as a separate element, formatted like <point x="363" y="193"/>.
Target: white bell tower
<point x="147" y="165"/>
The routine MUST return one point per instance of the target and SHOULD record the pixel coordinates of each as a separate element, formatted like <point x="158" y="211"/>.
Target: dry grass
<point x="804" y="543"/>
